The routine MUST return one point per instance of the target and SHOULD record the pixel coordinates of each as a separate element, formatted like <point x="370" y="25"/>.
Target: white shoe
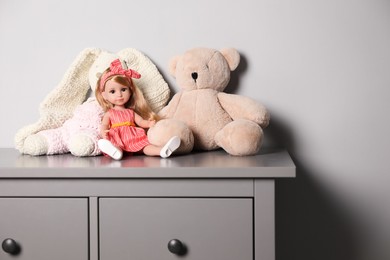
<point x="108" y="148"/>
<point x="170" y="147"/>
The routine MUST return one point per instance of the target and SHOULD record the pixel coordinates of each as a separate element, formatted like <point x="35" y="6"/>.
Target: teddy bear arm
<point x="169" y="110"/>
<point x="240" y="107"/>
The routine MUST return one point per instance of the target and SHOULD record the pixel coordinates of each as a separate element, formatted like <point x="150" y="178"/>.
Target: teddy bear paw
<point x="241" y="137"/>
<point x="81" y="145"/>
<point x="35" y="145"/>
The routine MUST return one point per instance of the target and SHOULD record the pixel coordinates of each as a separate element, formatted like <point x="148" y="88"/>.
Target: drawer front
<point x="209" y="229"/>
<point x="44" y="228"/>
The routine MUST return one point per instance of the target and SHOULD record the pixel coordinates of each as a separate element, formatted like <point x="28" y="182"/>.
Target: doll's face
<point x="116" y="93"/>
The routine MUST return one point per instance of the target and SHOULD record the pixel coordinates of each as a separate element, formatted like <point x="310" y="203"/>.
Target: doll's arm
<point x="245" y="108"/>
<point x="105" y="126"/>
<point x="142" y="122"/>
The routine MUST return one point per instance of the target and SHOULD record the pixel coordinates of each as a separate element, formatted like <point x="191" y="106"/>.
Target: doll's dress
<point x="123" y="132"/>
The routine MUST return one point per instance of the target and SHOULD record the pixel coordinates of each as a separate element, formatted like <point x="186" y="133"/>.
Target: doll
<point x="127" y="113"/>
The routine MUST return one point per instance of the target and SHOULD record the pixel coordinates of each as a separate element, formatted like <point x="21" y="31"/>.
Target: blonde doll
<point x="127" y="113"/>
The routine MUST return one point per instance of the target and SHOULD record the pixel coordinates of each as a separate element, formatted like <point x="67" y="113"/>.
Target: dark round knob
<point x="175" y="246"/>
<point x="10" y="246"/>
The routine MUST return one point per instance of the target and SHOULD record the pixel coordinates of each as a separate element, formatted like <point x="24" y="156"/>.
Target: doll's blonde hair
<point x="137" y="101"/>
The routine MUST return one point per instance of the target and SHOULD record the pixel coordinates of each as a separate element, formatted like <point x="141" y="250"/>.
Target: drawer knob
<point x="10" y="246"/>
<point x="175" y="246"/>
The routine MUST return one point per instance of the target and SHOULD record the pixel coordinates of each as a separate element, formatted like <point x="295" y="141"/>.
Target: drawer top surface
<point x="214" y="164"/>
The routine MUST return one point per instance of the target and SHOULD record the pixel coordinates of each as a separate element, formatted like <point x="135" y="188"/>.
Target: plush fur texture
<point x="216" y="119"/>
<point x="67" y="123"/>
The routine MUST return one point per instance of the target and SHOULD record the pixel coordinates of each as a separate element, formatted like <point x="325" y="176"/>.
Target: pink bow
<point x="117" y="69"/>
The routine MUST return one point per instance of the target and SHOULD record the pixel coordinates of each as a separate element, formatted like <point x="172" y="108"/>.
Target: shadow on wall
<point x="309" y="224"/>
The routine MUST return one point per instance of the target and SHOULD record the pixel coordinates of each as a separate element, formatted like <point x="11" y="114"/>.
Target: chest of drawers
<point x="206" y="206"/>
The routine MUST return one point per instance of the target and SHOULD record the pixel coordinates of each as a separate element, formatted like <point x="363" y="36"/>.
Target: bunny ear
<point x="59" y="104"/>
<point x="232" y="57"/>
<point x="152" y="84"/>
<point x="100" y="64"/>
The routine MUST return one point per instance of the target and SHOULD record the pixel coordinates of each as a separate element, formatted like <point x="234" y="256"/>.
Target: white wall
<point x="321" y="67"/>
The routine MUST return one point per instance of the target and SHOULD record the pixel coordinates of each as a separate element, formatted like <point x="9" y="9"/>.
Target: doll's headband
<point x="116" y="68"/>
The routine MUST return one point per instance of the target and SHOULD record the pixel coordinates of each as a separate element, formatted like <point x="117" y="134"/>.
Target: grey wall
<point x="321" y="67"/>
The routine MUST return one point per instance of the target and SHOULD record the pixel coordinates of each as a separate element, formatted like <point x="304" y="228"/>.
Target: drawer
<point x="208" y="229"/>
<point x="45" y="228"/>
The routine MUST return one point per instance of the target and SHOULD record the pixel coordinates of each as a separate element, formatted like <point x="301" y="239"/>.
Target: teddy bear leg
<point x="240" y="137"/>
<point x="165" y="129"/>
<point x="83" y="145"/>
<point x="35" y="144"/>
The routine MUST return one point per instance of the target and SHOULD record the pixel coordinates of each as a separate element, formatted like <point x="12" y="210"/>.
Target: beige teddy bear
<point x="216" y="119"/>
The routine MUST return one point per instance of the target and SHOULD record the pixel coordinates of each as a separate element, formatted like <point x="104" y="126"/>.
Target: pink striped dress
<point x="123" y="132"/>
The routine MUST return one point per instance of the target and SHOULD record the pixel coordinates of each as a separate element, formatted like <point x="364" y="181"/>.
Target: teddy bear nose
<point x="194" y="75"/>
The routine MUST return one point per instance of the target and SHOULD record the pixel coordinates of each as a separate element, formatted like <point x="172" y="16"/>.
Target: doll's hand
<point x="104" y="133"/>
<point x="152" y="123"/>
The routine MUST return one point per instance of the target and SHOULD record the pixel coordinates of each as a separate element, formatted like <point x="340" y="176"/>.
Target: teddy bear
<point x="70" y="124"/>
<point x="216" y="119"/>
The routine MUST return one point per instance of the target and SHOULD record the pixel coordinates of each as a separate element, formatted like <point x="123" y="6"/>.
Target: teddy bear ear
<point x="232" y="57"/>
<point x="172" y="65"/>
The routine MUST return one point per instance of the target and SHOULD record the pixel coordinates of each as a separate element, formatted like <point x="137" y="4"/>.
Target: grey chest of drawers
<point x="203" y="206"/>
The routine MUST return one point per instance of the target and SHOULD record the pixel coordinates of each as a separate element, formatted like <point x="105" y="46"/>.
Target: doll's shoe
<point x="108" y="148"/>
<point x="170" y="147"/>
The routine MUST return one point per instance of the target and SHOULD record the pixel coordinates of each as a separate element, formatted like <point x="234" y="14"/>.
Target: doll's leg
<point x="111" y="150"/>
<point x="163" y="130"/>
<point x="164" y="151"/>
<point x="170" y="147"/>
